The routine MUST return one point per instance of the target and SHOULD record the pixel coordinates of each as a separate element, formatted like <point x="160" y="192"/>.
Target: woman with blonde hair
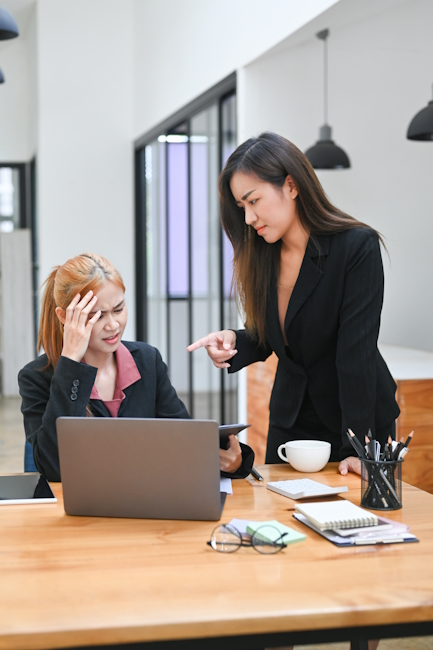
<point x="87" y="370"/>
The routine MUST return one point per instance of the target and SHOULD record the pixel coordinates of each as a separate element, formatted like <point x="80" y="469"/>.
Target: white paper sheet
<point x="226" y="485"/>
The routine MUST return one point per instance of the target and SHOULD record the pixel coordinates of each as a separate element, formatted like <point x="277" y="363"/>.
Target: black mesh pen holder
<point x="381" y="484"/>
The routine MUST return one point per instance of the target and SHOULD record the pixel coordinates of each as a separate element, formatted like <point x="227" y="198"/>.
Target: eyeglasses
<point x="267" y="539"/>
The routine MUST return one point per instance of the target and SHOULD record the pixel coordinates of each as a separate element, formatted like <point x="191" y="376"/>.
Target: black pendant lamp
<point x="325" y="154"/>
<point x="2" y="79"/>
<point x="8" y="26"/>
<point x="421" y="127"/>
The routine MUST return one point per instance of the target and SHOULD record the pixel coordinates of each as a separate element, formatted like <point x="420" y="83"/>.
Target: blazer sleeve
<point x="356" y="357"/>
<point x="247" y="463"/>
<point x="248" y="351"/>
<point x="44" y="399"/>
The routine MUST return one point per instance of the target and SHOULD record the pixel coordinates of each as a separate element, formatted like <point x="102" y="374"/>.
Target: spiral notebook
<point x="327" y="515"/>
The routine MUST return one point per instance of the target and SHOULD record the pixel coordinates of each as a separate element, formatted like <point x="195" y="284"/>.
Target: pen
<point x="256" y="475"/>
<point x="398" y="449"/>
<point x="388" y="448"/>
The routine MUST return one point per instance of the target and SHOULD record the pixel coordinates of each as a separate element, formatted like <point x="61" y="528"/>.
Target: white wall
<point x="32" y="76"/>
<point x="85" y="152"/>
<point x="183" y="48"/>
<point x="380" y="75"/>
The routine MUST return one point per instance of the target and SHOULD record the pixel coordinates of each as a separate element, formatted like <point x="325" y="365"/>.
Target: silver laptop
<point x="149" y="468"/>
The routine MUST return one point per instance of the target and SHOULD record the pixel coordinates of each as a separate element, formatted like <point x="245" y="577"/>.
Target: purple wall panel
<point x="177" y="181"/>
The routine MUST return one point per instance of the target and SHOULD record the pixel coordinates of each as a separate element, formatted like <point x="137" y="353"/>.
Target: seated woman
<point x="88" y="370"/>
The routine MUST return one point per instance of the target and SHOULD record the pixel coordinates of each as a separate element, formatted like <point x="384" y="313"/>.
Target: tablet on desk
<point x="25" y="488"/>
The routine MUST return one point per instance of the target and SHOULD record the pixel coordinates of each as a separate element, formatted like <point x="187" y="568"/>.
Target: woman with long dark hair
<point x="309" y="281"/>
<point x="86" y="368"/>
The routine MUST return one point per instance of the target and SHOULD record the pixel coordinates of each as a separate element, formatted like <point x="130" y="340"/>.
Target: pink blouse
<point x="127" y="374"/>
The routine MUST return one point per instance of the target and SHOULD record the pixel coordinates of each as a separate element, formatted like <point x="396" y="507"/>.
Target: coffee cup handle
<point x="281" y="454"/>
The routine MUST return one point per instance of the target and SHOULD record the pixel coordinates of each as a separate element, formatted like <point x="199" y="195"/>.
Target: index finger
<point x="201" y="343"/>
<point x="71" y="307"/>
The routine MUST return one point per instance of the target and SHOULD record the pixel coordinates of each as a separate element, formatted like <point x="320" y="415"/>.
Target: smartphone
<point x="227" y="429"/>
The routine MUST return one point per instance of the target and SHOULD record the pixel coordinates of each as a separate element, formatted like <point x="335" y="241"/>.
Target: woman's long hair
<point x="86" y="272"/>
<point x="271" y="158"/>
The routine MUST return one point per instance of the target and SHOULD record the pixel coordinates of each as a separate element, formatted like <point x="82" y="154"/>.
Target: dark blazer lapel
<point x="310" y="275"/>
<point x="273" y="332"/>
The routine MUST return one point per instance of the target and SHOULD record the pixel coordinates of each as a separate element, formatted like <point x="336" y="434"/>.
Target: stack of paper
<point x="345" y="524"/>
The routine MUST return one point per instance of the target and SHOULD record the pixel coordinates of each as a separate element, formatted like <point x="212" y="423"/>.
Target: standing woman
<point x="309" y="280"/>
<point x="88" y="370"/>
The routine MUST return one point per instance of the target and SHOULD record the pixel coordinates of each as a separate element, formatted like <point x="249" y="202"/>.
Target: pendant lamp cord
<point x="323" y="36"/>
<point x="325" y="79"/>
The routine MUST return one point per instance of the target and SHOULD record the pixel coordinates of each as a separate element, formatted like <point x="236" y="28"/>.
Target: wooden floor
<point x="12" y="460"/>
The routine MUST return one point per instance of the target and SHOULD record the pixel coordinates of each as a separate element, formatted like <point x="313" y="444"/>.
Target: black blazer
<point x="47" y="395"/>
<point x="331" y="326"/>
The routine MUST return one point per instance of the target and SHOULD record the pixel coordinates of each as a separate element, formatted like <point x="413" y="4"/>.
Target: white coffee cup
<point x="305" y="455"/>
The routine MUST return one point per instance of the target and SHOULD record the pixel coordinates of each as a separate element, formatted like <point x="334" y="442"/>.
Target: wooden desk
<point x="76" y="581"/>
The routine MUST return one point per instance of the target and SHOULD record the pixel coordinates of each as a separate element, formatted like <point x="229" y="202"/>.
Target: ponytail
<point x="50" y="336"/>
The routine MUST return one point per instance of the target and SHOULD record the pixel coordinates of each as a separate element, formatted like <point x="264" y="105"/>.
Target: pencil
<point x="409" y="438"/>
<point x="356" y="444"/>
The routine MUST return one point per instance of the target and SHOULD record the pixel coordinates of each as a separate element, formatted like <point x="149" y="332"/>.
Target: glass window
<point x="188" y="261"/>
<point x="9" y="199"/>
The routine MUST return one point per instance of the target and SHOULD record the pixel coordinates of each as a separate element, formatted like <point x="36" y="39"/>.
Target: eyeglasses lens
<point x="226" y="539"/>
<point x="268" y="540"/>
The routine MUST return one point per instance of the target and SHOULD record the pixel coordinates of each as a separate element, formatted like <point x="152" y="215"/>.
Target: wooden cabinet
<point x="16" y="308"/>
<point x="260" y="379"/>
<point x="414" y="396"/>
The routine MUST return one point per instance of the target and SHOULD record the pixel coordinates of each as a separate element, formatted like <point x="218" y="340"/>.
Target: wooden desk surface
<point x="70" y="581"/>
